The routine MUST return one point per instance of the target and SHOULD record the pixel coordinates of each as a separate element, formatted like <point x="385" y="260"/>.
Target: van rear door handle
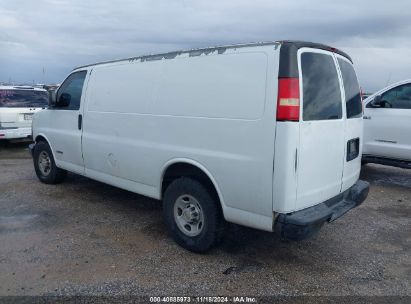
<point x="80" y="121"/>
<point x="353" y="148"/>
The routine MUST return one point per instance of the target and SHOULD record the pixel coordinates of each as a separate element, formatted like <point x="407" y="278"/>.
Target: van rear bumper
<point x="305" y="223"/>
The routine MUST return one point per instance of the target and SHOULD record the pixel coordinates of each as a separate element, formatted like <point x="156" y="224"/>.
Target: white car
<point x="265" y="135"/>
<point x="387" y="126"/>
<point x="17" y="106"/>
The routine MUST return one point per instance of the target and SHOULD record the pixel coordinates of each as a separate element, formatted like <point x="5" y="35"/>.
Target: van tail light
<point x="288" y="104"/>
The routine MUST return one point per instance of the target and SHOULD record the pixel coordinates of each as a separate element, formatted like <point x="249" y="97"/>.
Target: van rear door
<point x="322" y="128"/>
<point x="353" y="122"/>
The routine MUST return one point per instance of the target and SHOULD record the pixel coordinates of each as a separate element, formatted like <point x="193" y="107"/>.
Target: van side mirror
<point x="64" y="100"/>
<point x="377" y="102"/>
<point x="52" y="98"/>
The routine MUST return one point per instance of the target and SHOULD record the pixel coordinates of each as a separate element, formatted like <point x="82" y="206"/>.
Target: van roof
<point x="291" y="46"/>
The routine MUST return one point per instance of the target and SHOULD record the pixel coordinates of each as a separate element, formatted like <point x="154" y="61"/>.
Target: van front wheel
<point x="192" y="215"/>
<point x="45" y="166"/>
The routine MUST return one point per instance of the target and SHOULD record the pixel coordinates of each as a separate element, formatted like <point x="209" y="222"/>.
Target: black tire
<point x="212" y="219"/>
<point x="52" y="175"/>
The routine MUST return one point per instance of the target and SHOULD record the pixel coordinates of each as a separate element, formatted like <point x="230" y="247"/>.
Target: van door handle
<point x="353" y="148"/>
<point x="80" y="121"/>
<point x="367" y="117"/>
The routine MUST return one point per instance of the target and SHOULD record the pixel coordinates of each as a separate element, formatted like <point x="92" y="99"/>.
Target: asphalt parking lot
<point x="87" y="238"/>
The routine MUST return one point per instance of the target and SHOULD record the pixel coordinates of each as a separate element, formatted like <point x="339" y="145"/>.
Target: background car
<point x="17" y="106"/>
<point x="387" y="126"/>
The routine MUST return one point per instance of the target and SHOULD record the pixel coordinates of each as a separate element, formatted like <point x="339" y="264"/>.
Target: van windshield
<point x="23" y="99"/>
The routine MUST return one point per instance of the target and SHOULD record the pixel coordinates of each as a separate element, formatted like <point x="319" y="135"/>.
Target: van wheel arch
<point x="185" y="169"/>
<point x="41" y="138"/>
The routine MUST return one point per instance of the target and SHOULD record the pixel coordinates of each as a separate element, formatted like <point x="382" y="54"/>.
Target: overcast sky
<point x="61" y="34"/>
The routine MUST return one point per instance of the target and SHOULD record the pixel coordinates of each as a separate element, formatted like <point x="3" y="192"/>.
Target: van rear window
<point x="23" y="99"/>
<point x="321" y="87"/>
<point x="351" y="88"/>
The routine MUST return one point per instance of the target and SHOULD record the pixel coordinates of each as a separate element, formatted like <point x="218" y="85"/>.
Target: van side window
<point x="73" y="86"/>
<point x="353" y="101"/>
<point x="398" y="97"/>
<point x="321" y="87"/>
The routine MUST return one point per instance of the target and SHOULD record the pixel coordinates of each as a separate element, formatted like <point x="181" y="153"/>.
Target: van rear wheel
<point x="192" y="215"/>
<point x="45" y="166"/>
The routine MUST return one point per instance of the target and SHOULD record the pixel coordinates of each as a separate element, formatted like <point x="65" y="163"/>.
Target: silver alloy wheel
<point x="188" y="215"/>
<point x="44" y="163"/>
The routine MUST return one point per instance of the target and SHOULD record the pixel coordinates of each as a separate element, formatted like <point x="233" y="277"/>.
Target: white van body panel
<point x="321" y="153"/>
<point x="65" y="139"/>
<point x="353" y="129"/>
<point x="287" y="141"/>
<point x="352" y="169"/>
<point x="197" y="114"/>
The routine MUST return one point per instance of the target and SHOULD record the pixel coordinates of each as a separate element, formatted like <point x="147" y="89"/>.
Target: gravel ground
<point x="87" y="238"/>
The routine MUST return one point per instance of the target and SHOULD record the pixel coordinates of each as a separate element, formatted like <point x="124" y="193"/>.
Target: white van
<point x="17" y="106"/>
<point x="264" y="135"/>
